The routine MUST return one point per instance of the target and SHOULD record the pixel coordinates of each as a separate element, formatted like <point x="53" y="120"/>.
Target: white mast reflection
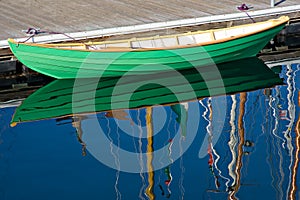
<point x="141" y="162"/>
<point x="116" y="156"/>
<point x="182" y="138"/>
<point x="276" y="144"/>
<point x="232" y="142"/>
<point x="291" y="119"/>
<point x="216" y="155"/>
<point x="181" y="187"/>
<point x="275" y="115"/>
<point x="213" y="155"/>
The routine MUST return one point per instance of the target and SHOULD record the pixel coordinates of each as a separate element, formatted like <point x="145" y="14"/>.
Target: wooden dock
<point x="76" y="15"/>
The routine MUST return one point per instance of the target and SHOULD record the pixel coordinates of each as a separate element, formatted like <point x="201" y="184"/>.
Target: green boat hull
<point x="82" y="96"/>
<point x="67" y="64"/>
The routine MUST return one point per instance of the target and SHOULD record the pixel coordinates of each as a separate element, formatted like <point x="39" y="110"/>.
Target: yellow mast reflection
<point x="149" y="189"/>
<point x="241" y="132"/>
<point x="293" y="190"/>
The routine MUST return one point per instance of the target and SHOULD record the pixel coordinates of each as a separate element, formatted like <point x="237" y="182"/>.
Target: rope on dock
<point x="35" y="31"/>
<point x="244" y="8"/>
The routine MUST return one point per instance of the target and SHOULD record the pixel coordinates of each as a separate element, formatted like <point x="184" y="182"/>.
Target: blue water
<point x="241" y="146"/>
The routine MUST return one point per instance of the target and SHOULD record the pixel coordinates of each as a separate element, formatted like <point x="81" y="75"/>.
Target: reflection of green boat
<point x="155" y="54"/>
<point x="74" y="96"/>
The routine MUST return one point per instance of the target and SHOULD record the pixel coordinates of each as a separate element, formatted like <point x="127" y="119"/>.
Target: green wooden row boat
<point x="147" y="55"/>
<point x="68" y="97"/>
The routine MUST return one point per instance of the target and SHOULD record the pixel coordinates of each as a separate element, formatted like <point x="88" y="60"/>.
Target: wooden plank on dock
<point x="77" y="15"/>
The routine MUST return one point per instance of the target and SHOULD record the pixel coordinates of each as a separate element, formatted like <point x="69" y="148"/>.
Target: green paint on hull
<point x="65" y="64"/>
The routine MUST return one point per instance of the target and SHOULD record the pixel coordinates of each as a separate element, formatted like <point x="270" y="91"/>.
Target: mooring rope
<point x="34" y="31"/>
<point x="244" y="9"/>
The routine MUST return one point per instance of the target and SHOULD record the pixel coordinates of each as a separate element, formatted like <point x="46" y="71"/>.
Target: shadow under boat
<point x="62" y="98"/>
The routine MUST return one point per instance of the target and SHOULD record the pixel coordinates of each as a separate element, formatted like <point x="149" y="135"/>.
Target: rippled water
<point x="238" y="146"/>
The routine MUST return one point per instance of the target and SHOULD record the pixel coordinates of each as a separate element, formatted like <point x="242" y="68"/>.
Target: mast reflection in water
<point x="54" y="154"/>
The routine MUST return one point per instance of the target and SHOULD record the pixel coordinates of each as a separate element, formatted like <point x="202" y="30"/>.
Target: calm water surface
<point x="239" y="146"/>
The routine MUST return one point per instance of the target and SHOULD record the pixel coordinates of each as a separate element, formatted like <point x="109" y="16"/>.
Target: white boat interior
<point x="172" y="41"/>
